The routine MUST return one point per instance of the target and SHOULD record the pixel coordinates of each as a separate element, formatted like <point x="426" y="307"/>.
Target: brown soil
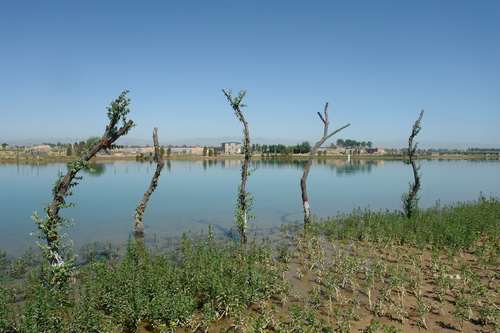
<point x="413" y="290"/>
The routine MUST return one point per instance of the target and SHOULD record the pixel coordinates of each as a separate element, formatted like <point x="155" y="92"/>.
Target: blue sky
<point x="377" y="63"/>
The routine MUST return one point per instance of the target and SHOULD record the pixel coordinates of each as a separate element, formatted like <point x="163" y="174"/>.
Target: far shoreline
<point x="43" y="159"/>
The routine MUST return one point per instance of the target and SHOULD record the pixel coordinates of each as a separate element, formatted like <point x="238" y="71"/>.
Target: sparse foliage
<point x="244" y="202"/>
<point x="410" y="199"/>
<point x="50" y="225"/>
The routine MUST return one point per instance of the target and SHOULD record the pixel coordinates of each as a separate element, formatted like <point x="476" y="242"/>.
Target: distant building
<point x="196" y="150"/>
<point x="231" y="148"/>
<point x="376" y="151"/>
<point x="338" y="151"/>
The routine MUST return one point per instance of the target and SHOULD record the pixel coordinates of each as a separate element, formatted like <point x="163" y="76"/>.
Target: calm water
<point x="195" y="194"/>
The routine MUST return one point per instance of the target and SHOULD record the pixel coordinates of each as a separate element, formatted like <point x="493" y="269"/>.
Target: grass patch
<point x="458" y="226"/>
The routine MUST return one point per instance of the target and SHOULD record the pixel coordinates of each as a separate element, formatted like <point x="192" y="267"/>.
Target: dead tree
<point x="139" y="211"/>
<point x="410" y="199"/>
<point x="243" y="202"/>
<point x="50" y="226"/>
<point x="303" y="180"/>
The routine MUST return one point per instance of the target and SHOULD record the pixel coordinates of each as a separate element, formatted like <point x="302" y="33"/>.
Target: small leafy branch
<point x="50" y="225"/>
<point x="410" y="199"/>
<point x="244" y="202"/>
<point x="303" y="180"/>
<point x="139" y="211"/>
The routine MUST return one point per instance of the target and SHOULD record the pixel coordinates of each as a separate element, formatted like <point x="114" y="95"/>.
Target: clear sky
<point x="377" y="63"/>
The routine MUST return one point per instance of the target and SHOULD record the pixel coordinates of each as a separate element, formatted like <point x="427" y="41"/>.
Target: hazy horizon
<point x="129" y="141"/>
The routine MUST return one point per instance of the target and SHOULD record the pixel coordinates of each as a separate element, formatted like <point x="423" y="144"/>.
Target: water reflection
<point x="342" y="167"/>
<point x="194" y="194"/>
<point x="352" y="167"/>
<point x="96" y="169"/>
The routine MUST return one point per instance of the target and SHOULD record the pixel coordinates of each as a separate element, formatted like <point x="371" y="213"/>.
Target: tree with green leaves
<point x="50" y="225"/>
<point x="244" y="201"/>
<point x="83" y="145"/>
<point x="410" y="199"/>
<point x="69" y="150"/>
<point x="303" y="180"/>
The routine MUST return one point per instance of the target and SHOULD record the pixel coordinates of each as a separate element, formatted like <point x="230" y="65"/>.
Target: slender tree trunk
<point x="242" y="213"/>
<point x="410" y="200"/>
<point x="139" y="211"/>
<point x="303" y="180"/>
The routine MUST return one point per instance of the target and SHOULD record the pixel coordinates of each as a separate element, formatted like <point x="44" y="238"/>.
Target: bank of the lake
<point x="37" y="159"/>
<point x="360" y="272"/>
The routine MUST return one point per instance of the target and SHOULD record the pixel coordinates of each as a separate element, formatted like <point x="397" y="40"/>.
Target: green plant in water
<point x="410" y="199"/>
<point x="244" y="201"/>
<point x="49" y="226"/>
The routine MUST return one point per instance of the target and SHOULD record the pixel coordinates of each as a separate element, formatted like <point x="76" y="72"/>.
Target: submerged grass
<point x="457" y="226"/>
<point x="194" y="285"/>
<point x="359" y="272"/>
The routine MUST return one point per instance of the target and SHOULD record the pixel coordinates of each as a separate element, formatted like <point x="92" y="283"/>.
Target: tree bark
<point x="139" y="211"/>
<point x="303" y="180"/>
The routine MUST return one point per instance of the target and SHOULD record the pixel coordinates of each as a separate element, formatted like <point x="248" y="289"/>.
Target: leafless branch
<point x="303" y="180"/>
<point x="141" y="208"/>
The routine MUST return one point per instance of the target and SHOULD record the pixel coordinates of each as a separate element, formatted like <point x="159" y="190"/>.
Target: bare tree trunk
<point x="139" y="211"/>
<point x="242" y="205"/>
<point x="410" y="200"/>
<point x="111" y="134"/>
<point x="303" y="180"/>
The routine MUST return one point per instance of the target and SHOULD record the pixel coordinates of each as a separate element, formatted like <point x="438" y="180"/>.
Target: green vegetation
<point x="195" y="284"/>
<point x="244" y="200"/>
<point x="280" y="149"/>
<point x="69" y="150"/>
<point x="459" y="227"/>
<point x="349" y="143"/>
<point x="359" y="272"/>
<point x="49" y="225"/>
<point x="410" y="199"/>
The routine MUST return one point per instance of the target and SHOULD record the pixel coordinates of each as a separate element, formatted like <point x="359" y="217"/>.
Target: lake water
<point x="192" y="195"/>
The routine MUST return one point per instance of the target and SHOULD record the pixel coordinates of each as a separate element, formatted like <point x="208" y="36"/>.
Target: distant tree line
<point x="210" y="152"/>
<point x="483" y="149"/>
<point x="299" y="148"/>
<point x="348" y="143"/>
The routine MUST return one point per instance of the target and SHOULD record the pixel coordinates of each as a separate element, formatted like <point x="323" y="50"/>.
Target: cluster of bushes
<point x="194" y="284"/>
